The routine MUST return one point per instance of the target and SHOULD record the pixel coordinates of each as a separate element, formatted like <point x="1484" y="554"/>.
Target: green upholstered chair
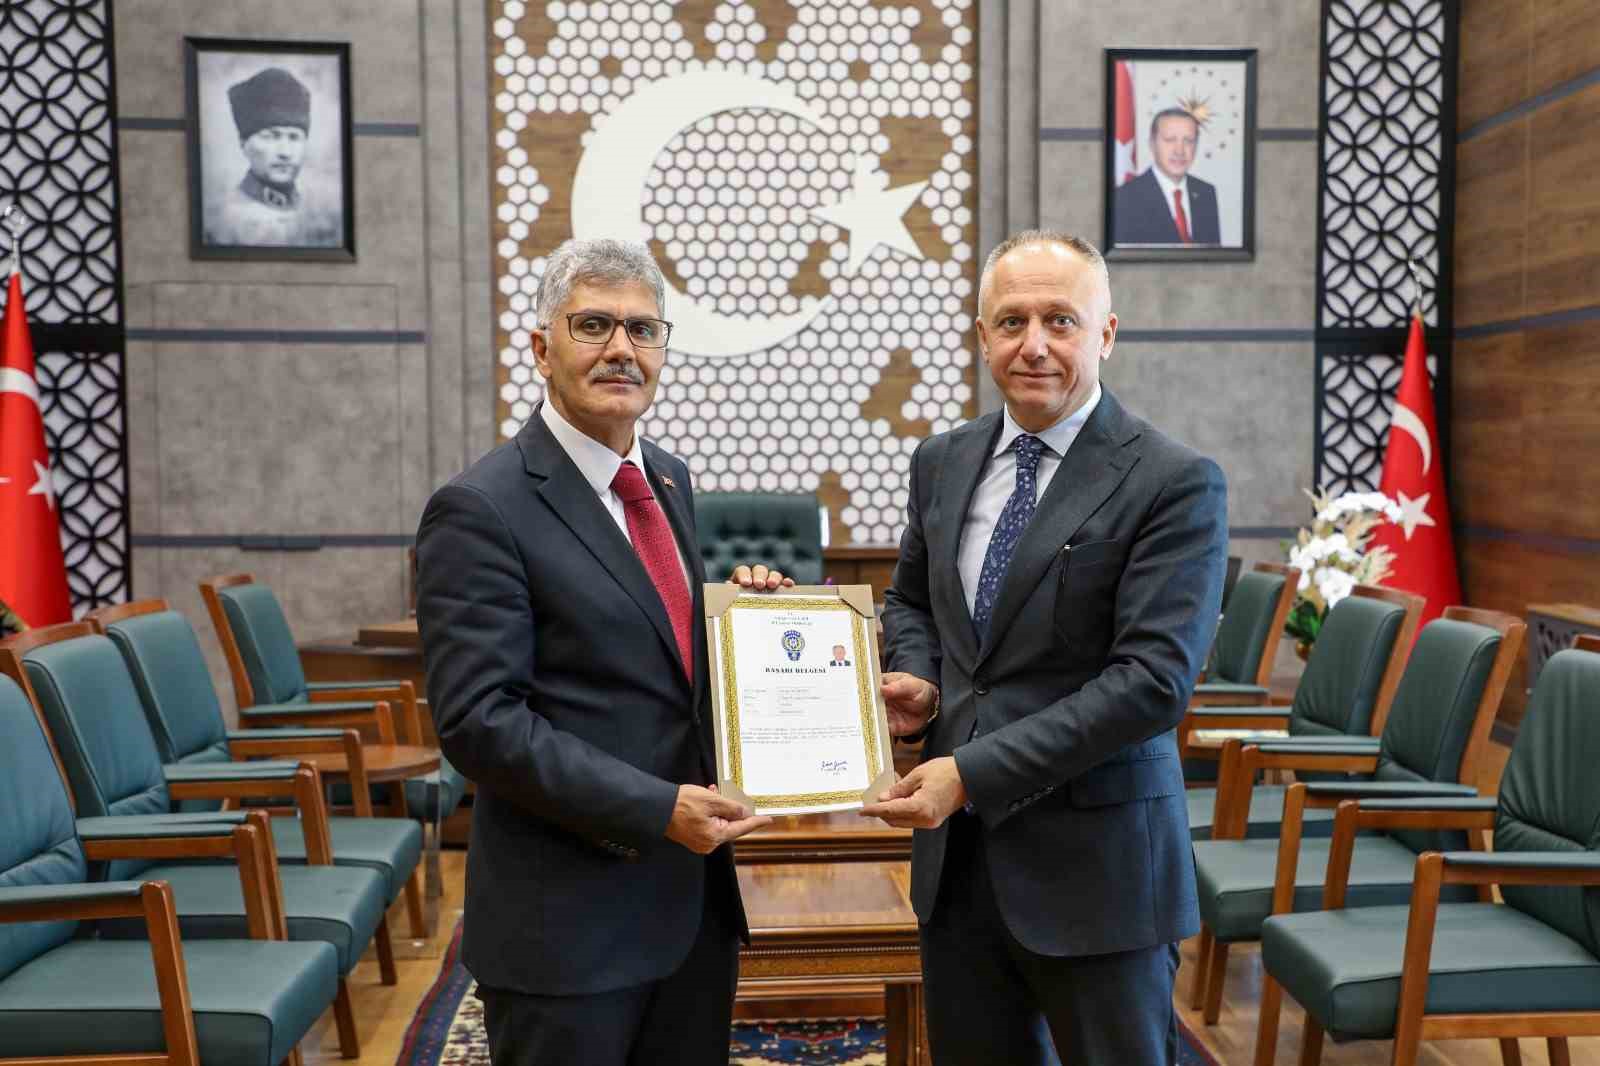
<point x="1431" y="745"/>
<point x="1436" y="969"/>
<point x="1344" y="694"/>
<point x="65" y="992"/>
<point x="782" y="530"/>
<point x="180" y="706"/>
<point x="1240" y="665"/>
<point x="90" y="707"/>
<point x="271" y="689"/>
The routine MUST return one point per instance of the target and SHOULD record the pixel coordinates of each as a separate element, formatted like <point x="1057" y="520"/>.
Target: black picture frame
<point x="233" y="214"/>
<point x="1140" y="212"/>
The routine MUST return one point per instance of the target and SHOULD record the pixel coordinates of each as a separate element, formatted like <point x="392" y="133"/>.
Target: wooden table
<point x="392" y="765"/>
<point x="838" y="836"/>
<point x="815" y="929"/>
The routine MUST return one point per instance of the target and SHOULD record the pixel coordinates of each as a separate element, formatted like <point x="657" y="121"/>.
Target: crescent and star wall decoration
<point x="805" y="176"/>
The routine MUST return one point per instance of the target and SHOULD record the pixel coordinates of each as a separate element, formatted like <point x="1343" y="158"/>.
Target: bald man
<point x="1058" y="584"/>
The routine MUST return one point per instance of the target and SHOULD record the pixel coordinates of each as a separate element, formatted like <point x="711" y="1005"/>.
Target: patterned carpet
<point x="448" y="1031"/>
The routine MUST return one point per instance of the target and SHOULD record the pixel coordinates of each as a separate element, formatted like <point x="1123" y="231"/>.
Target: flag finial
<point x="1416" y="287"/>
<point x="14" y="220"/>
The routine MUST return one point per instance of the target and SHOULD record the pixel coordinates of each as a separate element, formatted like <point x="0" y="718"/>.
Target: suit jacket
<point x="556" y="686"/>
<point x="1062" y="720"/>
<point x="1141" y="214"/>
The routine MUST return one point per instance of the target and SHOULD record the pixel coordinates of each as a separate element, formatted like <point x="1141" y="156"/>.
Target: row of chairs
<point x="136" y="912"/>
<point x="1366" y="880"/>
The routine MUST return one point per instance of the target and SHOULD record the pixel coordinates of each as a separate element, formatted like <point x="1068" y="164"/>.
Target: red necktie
<point x="653" y="543"/>
<point x="1183" y="219"/>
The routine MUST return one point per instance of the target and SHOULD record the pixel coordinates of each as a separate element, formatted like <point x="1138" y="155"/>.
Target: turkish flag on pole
<point x="33" y="575"/>
<point x="1413" y="476"/>
<point x="1126" y="167"/>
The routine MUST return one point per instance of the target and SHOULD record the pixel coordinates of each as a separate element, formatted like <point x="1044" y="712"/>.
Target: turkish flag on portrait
<point x="1127" y="153"/>
<point x="1413" y="476"/>
<point x="33" y="574"/>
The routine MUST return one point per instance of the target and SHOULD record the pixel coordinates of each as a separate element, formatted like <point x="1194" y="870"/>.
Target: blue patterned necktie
<point x="1014" y="519"/>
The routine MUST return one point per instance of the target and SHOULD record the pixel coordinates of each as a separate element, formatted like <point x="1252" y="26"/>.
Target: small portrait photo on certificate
<point x="800" y="722"/>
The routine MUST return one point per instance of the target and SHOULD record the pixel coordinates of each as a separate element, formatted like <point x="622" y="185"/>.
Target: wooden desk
<point x="1552" y="627"/>
<point x="818" y="929"/>
<point x="839" y="836"/>
<point x="861" y="564"/>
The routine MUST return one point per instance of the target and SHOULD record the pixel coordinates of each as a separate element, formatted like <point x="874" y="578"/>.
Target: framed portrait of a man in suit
<point x="1180" y="154"/>
<point x="270" y="158"/>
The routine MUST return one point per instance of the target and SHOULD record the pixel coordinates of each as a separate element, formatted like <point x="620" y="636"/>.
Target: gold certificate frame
<point x="733" y="778"/>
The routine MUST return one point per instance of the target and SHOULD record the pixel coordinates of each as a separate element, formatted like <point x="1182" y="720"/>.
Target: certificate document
<point x="800" y="725"/>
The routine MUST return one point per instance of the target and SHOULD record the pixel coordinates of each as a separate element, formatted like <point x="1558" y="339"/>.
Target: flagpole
<point x="1416" y="288"/>
<point x="14" y="220"/>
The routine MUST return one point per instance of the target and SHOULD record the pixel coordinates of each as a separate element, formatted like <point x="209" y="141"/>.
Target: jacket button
<point x="980" y="687"/>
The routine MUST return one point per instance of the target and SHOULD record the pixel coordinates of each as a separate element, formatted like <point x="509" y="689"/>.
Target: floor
<point x="384" y="1013"/>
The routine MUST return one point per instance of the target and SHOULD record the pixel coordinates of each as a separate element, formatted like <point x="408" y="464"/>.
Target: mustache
<point x="622" y="368"/>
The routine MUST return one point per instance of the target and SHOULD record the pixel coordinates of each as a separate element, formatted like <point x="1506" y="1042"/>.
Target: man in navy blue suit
<point x="1166" y="204"/>
<point x="1058" y="585"/>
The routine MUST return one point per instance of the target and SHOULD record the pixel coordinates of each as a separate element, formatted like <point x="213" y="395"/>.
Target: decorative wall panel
<point x="808" y="191"/>
<point x="58" y="164"/>
<point x="1356" y="402"/>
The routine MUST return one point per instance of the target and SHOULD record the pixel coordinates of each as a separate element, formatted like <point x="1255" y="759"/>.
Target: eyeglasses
<point x="596" y="327"/>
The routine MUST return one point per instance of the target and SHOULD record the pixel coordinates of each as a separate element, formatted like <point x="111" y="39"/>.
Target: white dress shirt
<point x="1167" y="187"/>
<point x="599" y="465"/>
<point x="1000" y="480"/>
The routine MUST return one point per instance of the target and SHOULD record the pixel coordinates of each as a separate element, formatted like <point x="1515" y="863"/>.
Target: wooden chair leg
<point x="1202" y="967"/>
<point x="1219" y="972"/>
<point x="1267" y="1022"/>
<point x="1511" y="1051"/>
<point x="1311" y="1043"/>
<point x="419" y="925"/>
<point x="1559" y="1055"/>
<point x="380" y="939"/>
<point x="344" y="1014"/>
<point x="294" y="1059"/>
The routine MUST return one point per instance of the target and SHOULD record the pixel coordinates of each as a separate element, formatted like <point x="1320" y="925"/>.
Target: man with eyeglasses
<point x="560" y="609"/>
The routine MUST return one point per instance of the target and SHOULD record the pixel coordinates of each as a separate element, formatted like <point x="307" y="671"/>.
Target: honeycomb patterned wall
<point x="730" y="210"/>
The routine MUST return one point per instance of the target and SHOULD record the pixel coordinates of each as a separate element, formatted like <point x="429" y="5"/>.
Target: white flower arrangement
<point x="1332" y="555"/>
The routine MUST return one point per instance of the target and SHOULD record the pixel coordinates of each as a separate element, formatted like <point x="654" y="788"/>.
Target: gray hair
<point x="603" y="260"/>
<point x="1084" y="249"/>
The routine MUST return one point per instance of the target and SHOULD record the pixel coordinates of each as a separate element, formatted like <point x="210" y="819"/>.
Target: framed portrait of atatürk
<point x="1180" y="166"/>
<point x="271" y="166"/>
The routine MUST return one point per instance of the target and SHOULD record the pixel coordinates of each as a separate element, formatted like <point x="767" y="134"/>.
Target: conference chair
<point x="270" y="688"/>
<point x="1344" y="694"/>
<point x="66" y="994"/>
<point x="1431" y="745"/>
<point x="1437" y="969"/>
<point x="180" y="706"/>
<point x="783" y="530"/>
<point x="90" y="709"/>
<point x="1246" y="643"/>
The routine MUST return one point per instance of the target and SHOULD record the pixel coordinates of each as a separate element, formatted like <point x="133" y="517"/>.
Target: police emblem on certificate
<point x="800" y="723"/>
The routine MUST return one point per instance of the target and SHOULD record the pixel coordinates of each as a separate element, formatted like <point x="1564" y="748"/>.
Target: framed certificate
<point x="800" y="721"/>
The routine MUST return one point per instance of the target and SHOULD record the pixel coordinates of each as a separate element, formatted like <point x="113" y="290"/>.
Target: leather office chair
<point x="271" y="689"/>
<point x="1431" y="745"/>
<point x="1344" y="695"/>
<point x="65" y="995"/>
<point x="91" y="711"/>
<point x="1430" y="969"/>
<point x="1242" y="654"/>
<point x="180" y="707"/>
<point x="779" y="529"/>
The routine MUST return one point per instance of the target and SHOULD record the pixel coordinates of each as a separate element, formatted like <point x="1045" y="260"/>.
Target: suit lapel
<point x="962" y="470"/>
<point x="1091" y="471"/>
<point x="573" y="500"/>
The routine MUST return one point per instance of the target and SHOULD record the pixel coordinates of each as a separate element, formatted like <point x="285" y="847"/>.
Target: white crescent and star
<point x="607" y="195"/>
<point x="1414" y="513"/>
<point x="1408" y="422"/>
<point x="15" y="382"/>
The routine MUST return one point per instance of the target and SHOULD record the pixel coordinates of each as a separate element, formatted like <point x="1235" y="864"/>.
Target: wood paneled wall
<point x="1526" y="392"/>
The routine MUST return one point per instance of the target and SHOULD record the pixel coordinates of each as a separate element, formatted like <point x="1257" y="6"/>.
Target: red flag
<point x="1126" y="166"/>
<point x="33" y="575"/>
<point x="1413" y="476"/>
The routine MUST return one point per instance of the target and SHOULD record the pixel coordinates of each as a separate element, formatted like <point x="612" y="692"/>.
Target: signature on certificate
<point x="835" y="766"/>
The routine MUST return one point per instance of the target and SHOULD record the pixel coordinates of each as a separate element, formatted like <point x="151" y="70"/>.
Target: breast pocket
<point x="1086" y="594"/>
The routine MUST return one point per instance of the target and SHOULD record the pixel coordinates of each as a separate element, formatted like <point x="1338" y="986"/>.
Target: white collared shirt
<point x="599" y="465"/>
<point x="1000" y="479"/>
<point x="1167" y="187"/>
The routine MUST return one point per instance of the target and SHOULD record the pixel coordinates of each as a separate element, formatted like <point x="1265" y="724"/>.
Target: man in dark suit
<point x="1058" y="583"/>
<point x="559" y="599"/>
<point x="1166" y="204"/>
